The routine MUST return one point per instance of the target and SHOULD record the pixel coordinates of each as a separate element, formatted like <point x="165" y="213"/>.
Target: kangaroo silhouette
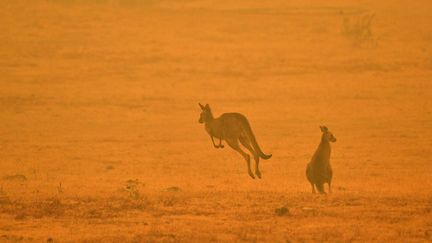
<point x="233" y="127"/>
<point x="318" y="170"/>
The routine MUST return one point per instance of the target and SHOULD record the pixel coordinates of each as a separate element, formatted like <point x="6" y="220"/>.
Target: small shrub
<point x="282" y="211"/>
<point x="131" y="187"/>
<point x="51" y="207"/>
<point x="359" y="29"/>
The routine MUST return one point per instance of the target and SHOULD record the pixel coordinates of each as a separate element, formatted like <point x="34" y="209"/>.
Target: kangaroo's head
<point x="327" y="135"/>
<point x="206" y="113"/>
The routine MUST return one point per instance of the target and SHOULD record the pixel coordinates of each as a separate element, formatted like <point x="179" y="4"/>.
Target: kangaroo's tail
<point x="254" y="142"/>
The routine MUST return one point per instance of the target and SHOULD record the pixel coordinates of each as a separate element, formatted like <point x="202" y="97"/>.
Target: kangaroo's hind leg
<point x="310" y="177"/>
<point x="233" y="143"/>
<point x="214" y="144"/>
<point x="330" y="177"/>
<point x="220" y="143"/>
<point x="245" y="142"/>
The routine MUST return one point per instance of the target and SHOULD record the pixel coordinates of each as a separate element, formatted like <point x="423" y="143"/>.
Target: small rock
<point x="173" y="189"/>
<point x="109" y="167"/>
<point x="17" y="177"/>
<point x="281" y="211"/>
<point x="20" y="216"/>
<point x="309" y="210"/>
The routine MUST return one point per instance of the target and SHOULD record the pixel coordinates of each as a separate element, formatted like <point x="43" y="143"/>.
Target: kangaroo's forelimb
<point x="220" y="143"/>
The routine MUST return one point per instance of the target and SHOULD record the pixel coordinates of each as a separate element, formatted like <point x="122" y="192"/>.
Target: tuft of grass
<point x="132" y="187"/>
<point x="51" y="207"/>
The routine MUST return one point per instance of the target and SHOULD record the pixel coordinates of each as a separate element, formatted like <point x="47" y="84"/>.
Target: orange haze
<point x="99" y="132"/>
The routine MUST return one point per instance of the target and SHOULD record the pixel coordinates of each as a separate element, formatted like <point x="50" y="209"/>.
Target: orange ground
<point x="99" y="132"/>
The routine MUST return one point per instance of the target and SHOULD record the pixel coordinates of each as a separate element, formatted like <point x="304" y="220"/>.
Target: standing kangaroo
<point x="233" y="127"/>
<point x="319" y="170"/>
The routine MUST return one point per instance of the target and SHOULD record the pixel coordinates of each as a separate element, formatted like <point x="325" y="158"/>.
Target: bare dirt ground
<point x="99" y="132"/>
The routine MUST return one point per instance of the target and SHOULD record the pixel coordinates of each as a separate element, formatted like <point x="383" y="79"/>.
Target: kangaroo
<point x="233" y="127"/>
<point x="319" y="170"/>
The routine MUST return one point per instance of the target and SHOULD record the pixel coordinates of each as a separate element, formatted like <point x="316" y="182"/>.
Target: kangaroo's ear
<point x="207" y="107"/>
<point x="202" y="107"/>
<point x="324" y="128"/>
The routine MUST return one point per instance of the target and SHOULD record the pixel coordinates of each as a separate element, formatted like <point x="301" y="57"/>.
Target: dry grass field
<point x="99" y="132"/>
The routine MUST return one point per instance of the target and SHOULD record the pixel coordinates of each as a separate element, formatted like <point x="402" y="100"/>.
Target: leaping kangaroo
<point x="233" y="127"/>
